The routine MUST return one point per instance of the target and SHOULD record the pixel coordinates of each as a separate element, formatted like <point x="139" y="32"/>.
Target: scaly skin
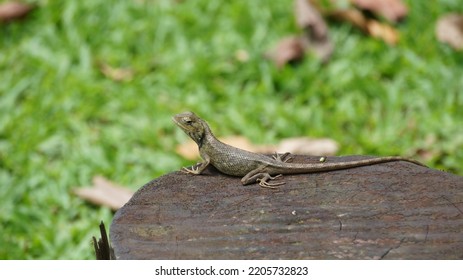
<point x="250" y="166"/>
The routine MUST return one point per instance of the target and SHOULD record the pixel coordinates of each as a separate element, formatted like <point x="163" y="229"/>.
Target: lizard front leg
<point x="198" y="168"/>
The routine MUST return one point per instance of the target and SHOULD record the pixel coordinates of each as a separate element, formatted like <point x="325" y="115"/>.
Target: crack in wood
<point x="392" y="248"/>
<point x="355" y="237"/>
<point x="427" y="232"/>
<point x="453" y="204"/>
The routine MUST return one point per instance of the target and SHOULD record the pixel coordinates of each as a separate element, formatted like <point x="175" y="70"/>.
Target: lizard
<point x="252" y="167"/>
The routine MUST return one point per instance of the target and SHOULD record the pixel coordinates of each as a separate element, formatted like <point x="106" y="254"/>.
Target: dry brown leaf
<point x="392" y="10"/>
<point x="10" y="11"/>
<point x="116" y="74"/>
<point x="308" y="146"/>
<point x="449" y="29"/>
<point x="372" y="27"/>
<point x="288" y="50"/>
<point x="316" y="38"/>
<point x="353" y="16"/>
<point x="308" y="17"/>
<point x="383" y="31"/>
<point x="106" y="193"/>
<point x="323" y="49"/>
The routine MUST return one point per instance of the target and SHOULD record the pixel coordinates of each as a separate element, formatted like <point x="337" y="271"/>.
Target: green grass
<point x="62" y="121"/>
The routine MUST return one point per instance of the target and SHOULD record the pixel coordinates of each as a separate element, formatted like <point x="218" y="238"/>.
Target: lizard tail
<point x="320" y="167"/>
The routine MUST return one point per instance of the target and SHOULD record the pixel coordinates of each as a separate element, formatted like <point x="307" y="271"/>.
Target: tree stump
<point x="394" y="210"/>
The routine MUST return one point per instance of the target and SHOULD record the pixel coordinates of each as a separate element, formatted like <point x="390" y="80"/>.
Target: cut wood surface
<point x="394" y="210"/>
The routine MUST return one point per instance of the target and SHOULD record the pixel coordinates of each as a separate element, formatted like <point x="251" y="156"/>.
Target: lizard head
<point x="192" y="125"/>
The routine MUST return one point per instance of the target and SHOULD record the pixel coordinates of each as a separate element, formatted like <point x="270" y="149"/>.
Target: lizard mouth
<point x="179" y="123"/>
<point x="176" y="121"/>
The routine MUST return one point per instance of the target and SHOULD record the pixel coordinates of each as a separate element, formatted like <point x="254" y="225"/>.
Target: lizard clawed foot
<point x="263" y="182"/>
<point x="282" y="157"/>
<point x="194" y="170"/>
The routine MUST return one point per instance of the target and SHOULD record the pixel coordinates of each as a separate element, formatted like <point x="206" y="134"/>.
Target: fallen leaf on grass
<point x="288" y="50"/>
<point x="372" y="27"/>
<point x="449" y="29"/>
<point x="315" y="38"/>
<point x="392" y="10"/>
<point x="308" y="17"/>
<point x="10" y="11"/>
<point x="106" y="193"/>
<point x="383" y="31"/>
<point x="353" y="16"/>
<point x="116" y="74"/>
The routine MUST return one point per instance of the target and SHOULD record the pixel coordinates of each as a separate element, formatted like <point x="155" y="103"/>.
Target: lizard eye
<point x="188" y="121"/>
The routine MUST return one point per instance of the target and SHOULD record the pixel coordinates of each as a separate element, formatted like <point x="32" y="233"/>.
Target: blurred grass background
<point x="62" y="121"/>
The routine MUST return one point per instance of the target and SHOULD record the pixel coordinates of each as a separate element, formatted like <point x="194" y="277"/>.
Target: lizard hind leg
<point x="282" y="157"/>
<point x="263" y="180"/>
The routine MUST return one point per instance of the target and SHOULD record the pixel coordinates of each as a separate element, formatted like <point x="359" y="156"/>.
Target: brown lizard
<point x="250" y="166"/>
